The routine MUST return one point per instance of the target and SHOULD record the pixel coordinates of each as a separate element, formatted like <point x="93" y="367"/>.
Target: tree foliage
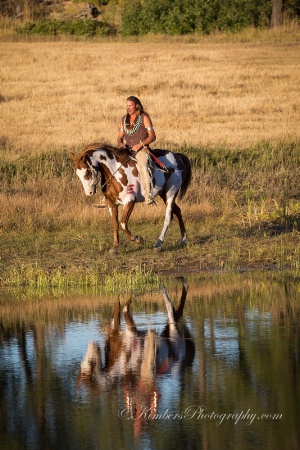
<point x="172" y="17"/>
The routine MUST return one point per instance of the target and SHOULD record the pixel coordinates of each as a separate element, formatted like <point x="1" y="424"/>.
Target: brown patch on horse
<point x="117" y="187"/>
<point x="88" y="175"/>
<point x="124" y="179"/>
<point x="133" y="165"/>
<point x="124" y="157"/>
<point x="113" y="188"/>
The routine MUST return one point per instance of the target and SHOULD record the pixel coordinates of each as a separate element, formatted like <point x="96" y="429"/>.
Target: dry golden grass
<point x="65" y="94"/>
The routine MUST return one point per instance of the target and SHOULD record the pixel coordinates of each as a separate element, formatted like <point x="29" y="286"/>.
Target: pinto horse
<point x="116" y="172"/>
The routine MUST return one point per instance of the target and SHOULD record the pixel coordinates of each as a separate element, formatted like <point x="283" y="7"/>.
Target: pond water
<point x="212" y="366"/>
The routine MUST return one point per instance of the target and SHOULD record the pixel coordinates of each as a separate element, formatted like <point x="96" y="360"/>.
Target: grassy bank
<point x="242" y="210"/>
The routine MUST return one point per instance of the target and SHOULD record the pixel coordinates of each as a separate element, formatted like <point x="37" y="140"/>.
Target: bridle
<point x="96" y="178"/>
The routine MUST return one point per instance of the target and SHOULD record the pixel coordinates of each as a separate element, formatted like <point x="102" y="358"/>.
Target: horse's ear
<point x="74" y="158"/>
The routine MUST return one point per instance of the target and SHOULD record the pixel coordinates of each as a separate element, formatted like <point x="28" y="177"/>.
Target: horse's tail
<point x="188" y="175"/>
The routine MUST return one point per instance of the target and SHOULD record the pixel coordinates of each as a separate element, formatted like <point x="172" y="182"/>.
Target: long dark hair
<point x="137" y="101"/>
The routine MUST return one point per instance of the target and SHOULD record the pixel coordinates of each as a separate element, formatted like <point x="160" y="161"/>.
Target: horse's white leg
<point x="113" y="211"/>
<point x="91" y="359"/>
<point x="176" y="340"/>
<point x="115" y="324"/>
<point x="167" y="221"/>
<point x="170" y="309"/>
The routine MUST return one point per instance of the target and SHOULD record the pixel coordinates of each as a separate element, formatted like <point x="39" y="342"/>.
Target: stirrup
<point x="101" y="204"/>
<point x="150" y="201"/>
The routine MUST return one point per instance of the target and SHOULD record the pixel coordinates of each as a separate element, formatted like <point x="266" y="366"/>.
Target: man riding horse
<point x="123" y="176"/>
<point x="137" y="130"/>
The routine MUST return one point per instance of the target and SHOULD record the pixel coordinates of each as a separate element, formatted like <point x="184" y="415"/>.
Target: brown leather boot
<point x="149" y="199"/>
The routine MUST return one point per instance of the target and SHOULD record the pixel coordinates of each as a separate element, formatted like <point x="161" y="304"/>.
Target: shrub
<point x="76" y="27"/>
<point x="186" y="16"/>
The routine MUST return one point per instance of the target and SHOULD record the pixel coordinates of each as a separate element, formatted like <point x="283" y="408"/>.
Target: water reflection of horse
<point x="136" y="358"/>
<point x="116" y="173"/>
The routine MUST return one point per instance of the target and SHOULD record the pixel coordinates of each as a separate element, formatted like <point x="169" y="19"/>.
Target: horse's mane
<point x="91" y="148"/>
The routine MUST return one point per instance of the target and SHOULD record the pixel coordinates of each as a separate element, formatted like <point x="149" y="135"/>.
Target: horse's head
<point x="86" y="172"/>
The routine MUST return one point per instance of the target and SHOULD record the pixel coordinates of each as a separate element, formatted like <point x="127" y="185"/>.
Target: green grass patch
<point x="93" y="278"/>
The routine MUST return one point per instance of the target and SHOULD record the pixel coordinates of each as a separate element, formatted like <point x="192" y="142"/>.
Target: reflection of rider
<point x="137" y="130"/>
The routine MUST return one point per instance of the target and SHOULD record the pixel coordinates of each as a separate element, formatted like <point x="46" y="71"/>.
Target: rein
<point x="158" y="162"/>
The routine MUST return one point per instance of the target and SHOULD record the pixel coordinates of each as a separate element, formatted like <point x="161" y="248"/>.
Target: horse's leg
<point x="178" y="312"/>
<point x="177" y="211"/>
<point x="174" y="315"/>
<point x="124" y="223"/>
<point x="169" y="306"/>
<point x="91" y="360"/>
<point x="177" y="342"/>
<point x="167" y="221"/>
<point x="113" y="211"/>
<point x="131" y="327"/>
<point x="115" y="325"/>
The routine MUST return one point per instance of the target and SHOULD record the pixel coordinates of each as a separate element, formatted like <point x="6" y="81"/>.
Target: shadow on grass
<point x="277" y="226"/>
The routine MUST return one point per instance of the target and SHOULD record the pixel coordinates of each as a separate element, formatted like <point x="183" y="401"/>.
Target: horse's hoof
<point x="113" y="251"/>
<point x="182" y="244"/>
<point x="138" y="240"/>
<point x="158" y="249"/>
